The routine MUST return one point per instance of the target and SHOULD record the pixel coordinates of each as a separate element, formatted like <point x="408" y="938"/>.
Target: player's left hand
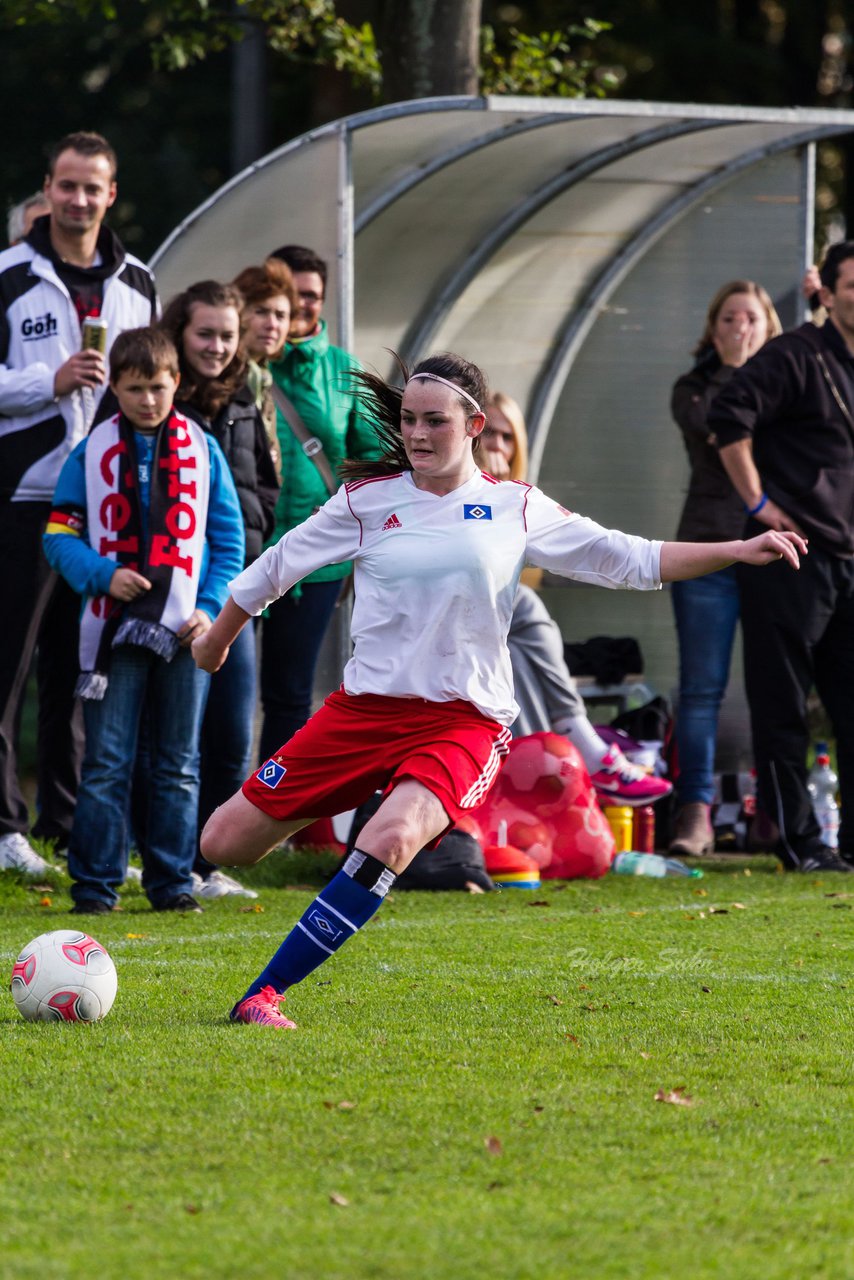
<point x="196" y="625"/>
<point x="774" y="545"/>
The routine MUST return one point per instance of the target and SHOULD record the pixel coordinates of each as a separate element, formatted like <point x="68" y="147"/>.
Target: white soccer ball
<point x="64" y="976"/>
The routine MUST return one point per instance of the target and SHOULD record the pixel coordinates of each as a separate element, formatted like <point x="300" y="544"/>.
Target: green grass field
<point x="471" y="1091"/>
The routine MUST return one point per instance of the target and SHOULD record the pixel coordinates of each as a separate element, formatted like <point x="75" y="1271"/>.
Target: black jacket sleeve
<point x="757" y="393"/>
<point x="268" y="482"/>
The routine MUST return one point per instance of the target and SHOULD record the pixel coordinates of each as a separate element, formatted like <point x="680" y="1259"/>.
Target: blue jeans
<point x="706" y="612"/>
<point x="173" y="695"/>
<point x="291" y="636"/>
<point x="226" y="742"/>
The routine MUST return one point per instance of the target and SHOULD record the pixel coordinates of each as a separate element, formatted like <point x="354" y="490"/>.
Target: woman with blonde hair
<point x="506" y="435"/>
<point x="740" y="319"/>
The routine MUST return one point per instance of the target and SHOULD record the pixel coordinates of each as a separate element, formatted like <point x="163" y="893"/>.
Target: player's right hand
<point x="208" y="656"/>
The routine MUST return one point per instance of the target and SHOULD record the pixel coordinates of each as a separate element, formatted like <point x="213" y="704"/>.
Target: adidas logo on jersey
<point x="392" y="523"/>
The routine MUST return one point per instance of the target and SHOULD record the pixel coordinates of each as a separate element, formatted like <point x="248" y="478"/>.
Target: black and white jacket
<point x="39" y="331"/>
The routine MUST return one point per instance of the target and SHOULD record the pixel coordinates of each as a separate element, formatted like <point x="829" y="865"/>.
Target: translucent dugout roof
<point x="496" y="226"/>
<point x="571" y="249"/>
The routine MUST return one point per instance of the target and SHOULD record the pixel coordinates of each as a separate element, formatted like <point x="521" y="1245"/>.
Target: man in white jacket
<point x="68" y="268"/>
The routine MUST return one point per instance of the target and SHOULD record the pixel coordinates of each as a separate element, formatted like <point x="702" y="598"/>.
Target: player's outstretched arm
<point x="211" y="649"/>
<point x="681" y="560"/>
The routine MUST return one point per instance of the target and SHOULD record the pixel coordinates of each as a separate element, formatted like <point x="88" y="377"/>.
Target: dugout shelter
<point x="570" y="248"/>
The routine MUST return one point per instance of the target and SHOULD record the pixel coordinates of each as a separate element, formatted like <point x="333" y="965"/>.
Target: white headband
<point x="434" y="377"/>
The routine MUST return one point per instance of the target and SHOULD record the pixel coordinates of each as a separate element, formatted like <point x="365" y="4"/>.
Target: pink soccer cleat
<point x="263" y="1008"/>
<point x="622" y="782"/>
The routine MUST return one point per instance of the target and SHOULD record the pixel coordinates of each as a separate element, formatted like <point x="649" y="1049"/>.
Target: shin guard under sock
<point x="348" y="901"/>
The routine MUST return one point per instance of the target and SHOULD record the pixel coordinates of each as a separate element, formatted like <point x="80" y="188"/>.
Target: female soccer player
<point x="438" y="547"/>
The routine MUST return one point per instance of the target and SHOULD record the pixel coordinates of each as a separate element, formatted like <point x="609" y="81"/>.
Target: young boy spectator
<point x="146" y="526"/>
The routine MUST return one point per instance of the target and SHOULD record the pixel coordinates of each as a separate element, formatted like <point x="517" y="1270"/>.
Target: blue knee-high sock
<point x="347" y="902"/>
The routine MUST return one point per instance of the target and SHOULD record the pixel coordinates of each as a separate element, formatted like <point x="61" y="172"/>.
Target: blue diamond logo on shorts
<point x="271" y="774"/>
<point x="476" y="512"/>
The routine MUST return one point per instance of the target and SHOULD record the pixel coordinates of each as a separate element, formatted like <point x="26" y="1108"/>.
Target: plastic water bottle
<point x="632" y="863"/>
<point x="822" y="784"/>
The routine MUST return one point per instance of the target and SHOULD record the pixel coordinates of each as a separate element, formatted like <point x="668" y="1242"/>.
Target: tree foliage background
<point x="159" y="78"/>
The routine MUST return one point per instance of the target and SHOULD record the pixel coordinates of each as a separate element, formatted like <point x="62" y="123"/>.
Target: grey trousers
<point x="545" y="691"/>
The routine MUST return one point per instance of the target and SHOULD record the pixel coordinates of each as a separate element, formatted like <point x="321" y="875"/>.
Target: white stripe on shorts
<point x="478" y="791"/>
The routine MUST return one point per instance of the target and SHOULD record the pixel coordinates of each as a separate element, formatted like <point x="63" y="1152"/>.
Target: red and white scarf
<point x="171" y="556"/>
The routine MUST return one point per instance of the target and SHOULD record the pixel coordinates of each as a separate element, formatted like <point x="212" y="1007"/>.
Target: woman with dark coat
<point x="740" y="319"/>
<point x="204" y="322"/>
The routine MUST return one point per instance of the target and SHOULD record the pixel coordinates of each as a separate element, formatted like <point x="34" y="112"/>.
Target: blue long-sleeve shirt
<point x="90" y="574"/>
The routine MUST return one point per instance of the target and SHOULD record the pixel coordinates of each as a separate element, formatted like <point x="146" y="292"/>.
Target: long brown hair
<point x="208" y="395"/>
<point x="380" y="404"/>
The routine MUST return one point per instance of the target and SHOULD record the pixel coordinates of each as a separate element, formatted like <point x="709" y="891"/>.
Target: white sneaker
<point x="17" y="854"/>
<point x="219" y="885"/>
<point x="133" y="875"/>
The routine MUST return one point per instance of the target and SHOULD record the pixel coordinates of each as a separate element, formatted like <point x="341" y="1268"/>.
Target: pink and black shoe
<point x="622" y="782"/>
<point x="263" y="1008"/>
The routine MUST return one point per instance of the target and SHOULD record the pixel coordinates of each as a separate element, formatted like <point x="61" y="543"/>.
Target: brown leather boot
<point x="693" y="834"/>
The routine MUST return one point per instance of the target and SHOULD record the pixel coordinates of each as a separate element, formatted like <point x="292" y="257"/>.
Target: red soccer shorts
<point x="358" y="744"/>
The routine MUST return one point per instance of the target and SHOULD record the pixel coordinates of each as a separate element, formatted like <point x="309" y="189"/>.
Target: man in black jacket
<point x="69" y="267"/>
<point x="785" y="429"/>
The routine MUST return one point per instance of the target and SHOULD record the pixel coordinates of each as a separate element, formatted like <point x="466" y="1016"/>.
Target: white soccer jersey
<point x="435" y="578"/>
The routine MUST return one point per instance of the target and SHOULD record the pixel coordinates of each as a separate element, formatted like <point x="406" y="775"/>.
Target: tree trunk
<point x="429" y="47"/>
<point x="250" y="114"/>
